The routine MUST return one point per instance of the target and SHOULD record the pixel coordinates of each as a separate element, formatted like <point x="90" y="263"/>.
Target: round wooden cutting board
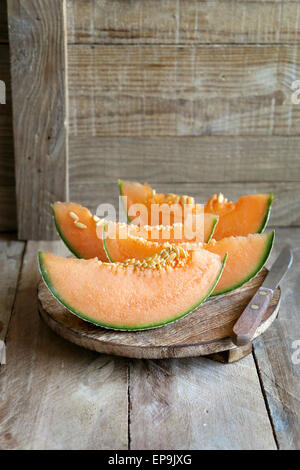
<point x="205" y="331"/>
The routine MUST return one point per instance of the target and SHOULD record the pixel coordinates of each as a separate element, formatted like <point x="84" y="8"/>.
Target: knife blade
<point x="245" y="327"/>
<point x="279" y="269"/>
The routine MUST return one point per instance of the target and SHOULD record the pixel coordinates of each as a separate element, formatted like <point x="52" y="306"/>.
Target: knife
<point x="245" y="327"/>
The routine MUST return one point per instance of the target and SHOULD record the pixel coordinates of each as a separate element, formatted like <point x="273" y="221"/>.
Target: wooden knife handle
<point x="244" y="329"/>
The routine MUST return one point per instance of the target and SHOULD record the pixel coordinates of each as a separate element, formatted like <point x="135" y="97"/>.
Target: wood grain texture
<point x="183" y="21"/>
<point x="207" y="330"/>
<point x="197" y="404"/>
<point x="182" y="90"/>
<point x="11" y="253"/>
<point x="38" y="66"/>
<point x="274" y="352"/>
<point x="285" y="208"/>
<point x="68" y="398"/>
<point x="184" y="159"/>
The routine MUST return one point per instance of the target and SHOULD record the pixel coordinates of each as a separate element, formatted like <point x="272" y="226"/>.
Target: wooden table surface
<point x="55" y="395"/>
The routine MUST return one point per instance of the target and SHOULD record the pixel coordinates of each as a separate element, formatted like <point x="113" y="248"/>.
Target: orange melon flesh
<point x="130" y="247"/>
<point x="82" y="242"/>
<point x="249" y="214"/>
<point x="143" y="194"/>
<point x="126" y="298"/>
<point x="246" y="255"/>
<point x="122" y="242"/>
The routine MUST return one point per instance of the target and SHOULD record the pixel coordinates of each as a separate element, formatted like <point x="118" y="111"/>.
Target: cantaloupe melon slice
<point x="77" y="227"/>
<point x="82" y="232"/>
<point x="246" y="255"/>
<point x="250" y="214"/>
<point x="169" y="209"/>
<point x="135" y="295"/>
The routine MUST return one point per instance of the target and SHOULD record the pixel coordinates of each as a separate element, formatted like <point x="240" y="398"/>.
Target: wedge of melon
<point x="132" y="296"/>
<point x="249" y="214"/>
<point x="246" y="255"/>
<point x="144" y="206"/>
<point x="77" y="227"/>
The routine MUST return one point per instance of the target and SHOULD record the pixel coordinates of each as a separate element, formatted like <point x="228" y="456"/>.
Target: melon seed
<point x="73" y="215"/>
<point x="167" y="256"/>
<point x="79" y="224"/>
<point x="220" y="197"/>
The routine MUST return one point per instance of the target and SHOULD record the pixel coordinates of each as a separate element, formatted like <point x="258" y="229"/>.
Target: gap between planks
<point x="265" y="398"/>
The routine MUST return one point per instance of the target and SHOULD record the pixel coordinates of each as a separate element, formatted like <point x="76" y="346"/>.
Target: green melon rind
<point x="260" y="265"/>
<point x="214" y="224"/>
<point x="267" y="214"/>
<point x="120" y="183"/>
<point x="78" y="255"/>
<point x="215" y="221"/>
<point x="104" y="244"/>
<point x="47" y="280"/>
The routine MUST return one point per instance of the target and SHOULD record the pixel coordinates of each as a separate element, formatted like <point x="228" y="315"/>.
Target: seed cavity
<point x="169" y="256"/>
<point x="254" y="306"/>
<point x="80" y="225"/>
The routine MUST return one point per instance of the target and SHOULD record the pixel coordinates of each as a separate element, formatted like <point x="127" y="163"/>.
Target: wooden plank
<point x="285" y="211"/>
<point x="68" y="397"/>
<point x="38" y="28"/>
<point x="183" y="21"/>
<point x="188" y="409"/>
<point x="182" y="90"/>
<point x="11" y="253"/>
<point x="276" y="352"/>
<point x="184" y="159"/>
<point x="3" y="22"/>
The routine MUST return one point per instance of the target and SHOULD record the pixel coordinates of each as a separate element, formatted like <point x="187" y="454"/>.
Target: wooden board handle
<point x="244" y="329"/>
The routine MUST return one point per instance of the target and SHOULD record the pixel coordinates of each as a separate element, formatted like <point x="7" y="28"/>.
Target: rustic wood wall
<point x="192" y="96"/>
<point x="8" y="220"/>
